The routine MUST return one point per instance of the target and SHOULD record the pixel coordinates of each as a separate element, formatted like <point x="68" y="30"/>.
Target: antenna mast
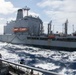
<point x="26" y="9"/>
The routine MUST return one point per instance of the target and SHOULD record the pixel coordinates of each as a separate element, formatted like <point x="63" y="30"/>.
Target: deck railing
<point x="44" y="72"/>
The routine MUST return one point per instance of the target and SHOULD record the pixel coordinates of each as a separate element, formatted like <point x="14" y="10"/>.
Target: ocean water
<point x="62" y="62"/>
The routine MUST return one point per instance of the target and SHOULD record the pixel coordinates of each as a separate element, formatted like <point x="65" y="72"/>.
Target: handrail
<point x="33" y="68"/>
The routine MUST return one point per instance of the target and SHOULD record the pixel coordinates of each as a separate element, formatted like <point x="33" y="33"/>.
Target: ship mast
<point x="49" y="27"/>
<point x="26" y="9"/>
<point x="66" y="27"/>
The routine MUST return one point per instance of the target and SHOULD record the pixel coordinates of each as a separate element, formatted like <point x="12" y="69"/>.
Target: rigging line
<point x="20" y="38"/>
<point x="12" y="39"/>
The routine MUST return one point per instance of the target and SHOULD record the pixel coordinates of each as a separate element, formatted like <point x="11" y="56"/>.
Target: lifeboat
<point x="20" y="29"/>
<point x="23" y="29"/>
<point x="51" y="36"/>
<point x="15" y="30"/>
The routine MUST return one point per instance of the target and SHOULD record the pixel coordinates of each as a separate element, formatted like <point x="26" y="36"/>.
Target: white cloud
<point x="31" y="13"/>
<point x="49" y="3"/>
<point x="1" y="19"/>
<point x="59" y="11"/>
<point x="6" y="7"/>
<point x="65" y="5"/>
<point x="69" y="5"/>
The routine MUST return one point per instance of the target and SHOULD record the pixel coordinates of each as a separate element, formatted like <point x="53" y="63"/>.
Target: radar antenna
<point x="26" y="9"/>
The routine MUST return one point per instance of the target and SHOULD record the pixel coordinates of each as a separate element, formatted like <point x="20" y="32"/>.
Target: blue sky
<point x="56" y="10"/>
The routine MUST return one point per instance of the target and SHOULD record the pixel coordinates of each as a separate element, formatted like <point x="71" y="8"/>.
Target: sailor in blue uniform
<point x="22" y="61"/>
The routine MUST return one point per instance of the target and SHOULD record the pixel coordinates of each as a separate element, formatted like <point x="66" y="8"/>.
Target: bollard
<point x="31" y="73"/>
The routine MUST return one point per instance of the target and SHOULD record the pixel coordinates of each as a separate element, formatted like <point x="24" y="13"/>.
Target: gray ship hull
<point x="39" y="42"/>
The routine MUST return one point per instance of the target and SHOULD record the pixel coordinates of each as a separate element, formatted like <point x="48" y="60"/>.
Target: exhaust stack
<point x="19" y="14"/>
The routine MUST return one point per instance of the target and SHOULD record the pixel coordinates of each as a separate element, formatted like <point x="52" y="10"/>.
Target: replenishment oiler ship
<point x="28" y="30"/>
